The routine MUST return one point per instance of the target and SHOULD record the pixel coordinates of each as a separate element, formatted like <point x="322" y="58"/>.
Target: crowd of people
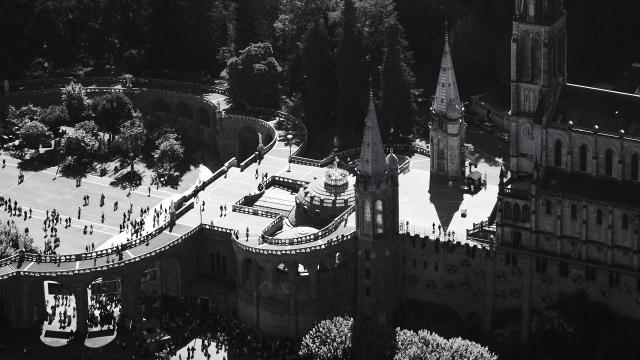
<point x="103" y="310"/>
<point x="62" y="310"/>
<point x="221" y="333"/>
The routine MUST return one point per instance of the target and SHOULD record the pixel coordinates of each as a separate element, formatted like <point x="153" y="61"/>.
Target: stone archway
<point x="203" y="117"/>
<point x="170" y="277"/>
<point x="247" y="142"/>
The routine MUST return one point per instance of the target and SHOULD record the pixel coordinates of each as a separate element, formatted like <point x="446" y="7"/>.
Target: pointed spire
<point x="447" y="99"/>
<point x="372" y="159"/>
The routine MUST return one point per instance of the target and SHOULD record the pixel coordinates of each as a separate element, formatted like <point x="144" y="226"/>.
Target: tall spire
<point x="447" y="89"/>
<point x="372" y="159"/>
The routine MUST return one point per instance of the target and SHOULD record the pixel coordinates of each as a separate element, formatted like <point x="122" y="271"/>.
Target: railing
<point x="248" y="161"/>
<point x="254" y="211"/>
<point x="274" y="226"/>
<point x="322" y="233"/>
<point x="331" y="242"/>
<point x="287" y="117"/>
<point x="356" y="151"/>
<point x="114" y="264"/>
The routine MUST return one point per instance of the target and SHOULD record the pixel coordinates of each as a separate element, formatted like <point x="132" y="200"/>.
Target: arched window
<point x="557" y="153"/>
<point x="634" y="167"/>
<point x="507" y="212"/>
<point x="367" y="213"/>
<point x="574" y="212"/>
<point x="536" y="62"/>
<point x="526" y="213"/>
<point x="379" y="217"/>
<point x="516" y="212"/>
<point x="524" y="47"/>
<point x="625" y="221"/>
<point x="608" y="162"/>
<point x="599" y="217"/>
<point x="583" y="157"/>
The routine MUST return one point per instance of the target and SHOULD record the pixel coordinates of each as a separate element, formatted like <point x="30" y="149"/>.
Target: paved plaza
<point x="41" y="192"/>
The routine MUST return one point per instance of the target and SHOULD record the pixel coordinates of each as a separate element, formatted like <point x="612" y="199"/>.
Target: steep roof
<point x="447" y="88"/>
<point x="584" y="185"/>
<point x="586" y="107"/>
<point x="372" y="158"/>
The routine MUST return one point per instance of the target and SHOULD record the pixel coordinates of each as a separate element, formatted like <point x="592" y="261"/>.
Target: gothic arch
<point x="516" y="212"/>
<point x="379" y="217"/>
<point x="557" y="153"/>
<point x="536" y="54"/>
<point x="160" y="105"/>
<point x="507" y="211"/>
<point x="184" y="111"/>
<point x="634" y="167"/>
<point x="608" y="162"/>
<point x="203" y="116"/>
<point x="526" y="213"/>
<point x="524" y="57"/>
<point x="584" y="158"/>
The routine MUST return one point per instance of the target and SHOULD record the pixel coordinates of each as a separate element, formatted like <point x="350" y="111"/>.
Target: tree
<point x="342" y="338"/>
<point x="79" y="146"/>
<point x="54" y="117"/>
<point x="320" y="86"/>
<point x="254" y="77"/>
<point x="398" y="109"/>
<point x="88" y="126"/>
<point x="33" y="134"/>
<point x="12" y="240"/>
<point x="16" y="117"/>
<point x="133" y="134"/>
<point x="169" y="153"/>
<point x="328" y="340"/>
<point x="74" y="98"/>
<point x="351" y="72"/>
<point x="111" y="110"/>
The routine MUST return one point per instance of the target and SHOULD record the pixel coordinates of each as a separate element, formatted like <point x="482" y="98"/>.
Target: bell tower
<point x="376" y="226"/>
<point x="447" y="128"/>
<point x="538" y="69"/>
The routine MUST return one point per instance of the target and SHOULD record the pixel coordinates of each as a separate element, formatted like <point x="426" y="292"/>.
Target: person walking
<point x="79" y="211"/>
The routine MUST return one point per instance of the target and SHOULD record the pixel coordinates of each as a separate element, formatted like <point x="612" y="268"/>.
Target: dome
<point x="392" y="161"/>
<point x="322" y="200"/>
<point x="453" y="111"/>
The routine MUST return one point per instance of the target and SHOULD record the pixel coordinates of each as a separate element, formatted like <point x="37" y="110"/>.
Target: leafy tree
<point x="254" y="76"/>
<point x="54" y="117"/>
<point x="342" y="338"/>
<point x="328" y="340"/>
<point x="33" y="134"/>
<point x="74" y="98"/>
<point x="12" y="240"/>
<point x="133" y="134"/>
<point x="18" y="116"/>
<point x="168" y="153"/>
<point x="79" y="146"/>
<point x="320" y="86"/>
<point x="88" y="126"/>
<point x="111" y="110"/>
<point x="398" y="109"/>
<point x="351" y="72"/>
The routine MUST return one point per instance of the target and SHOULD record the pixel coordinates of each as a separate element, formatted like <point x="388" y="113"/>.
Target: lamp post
<point x="289" y="138"/>
<point x="199" y="207"/>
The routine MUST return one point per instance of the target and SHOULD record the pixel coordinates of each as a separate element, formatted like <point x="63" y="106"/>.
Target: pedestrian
<point x="91" y="230"/>
<point x="102" y="218"/>
<point x="247" y="233"/>
<point x="79" y="212"/>
<point x="149" y="195"/>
